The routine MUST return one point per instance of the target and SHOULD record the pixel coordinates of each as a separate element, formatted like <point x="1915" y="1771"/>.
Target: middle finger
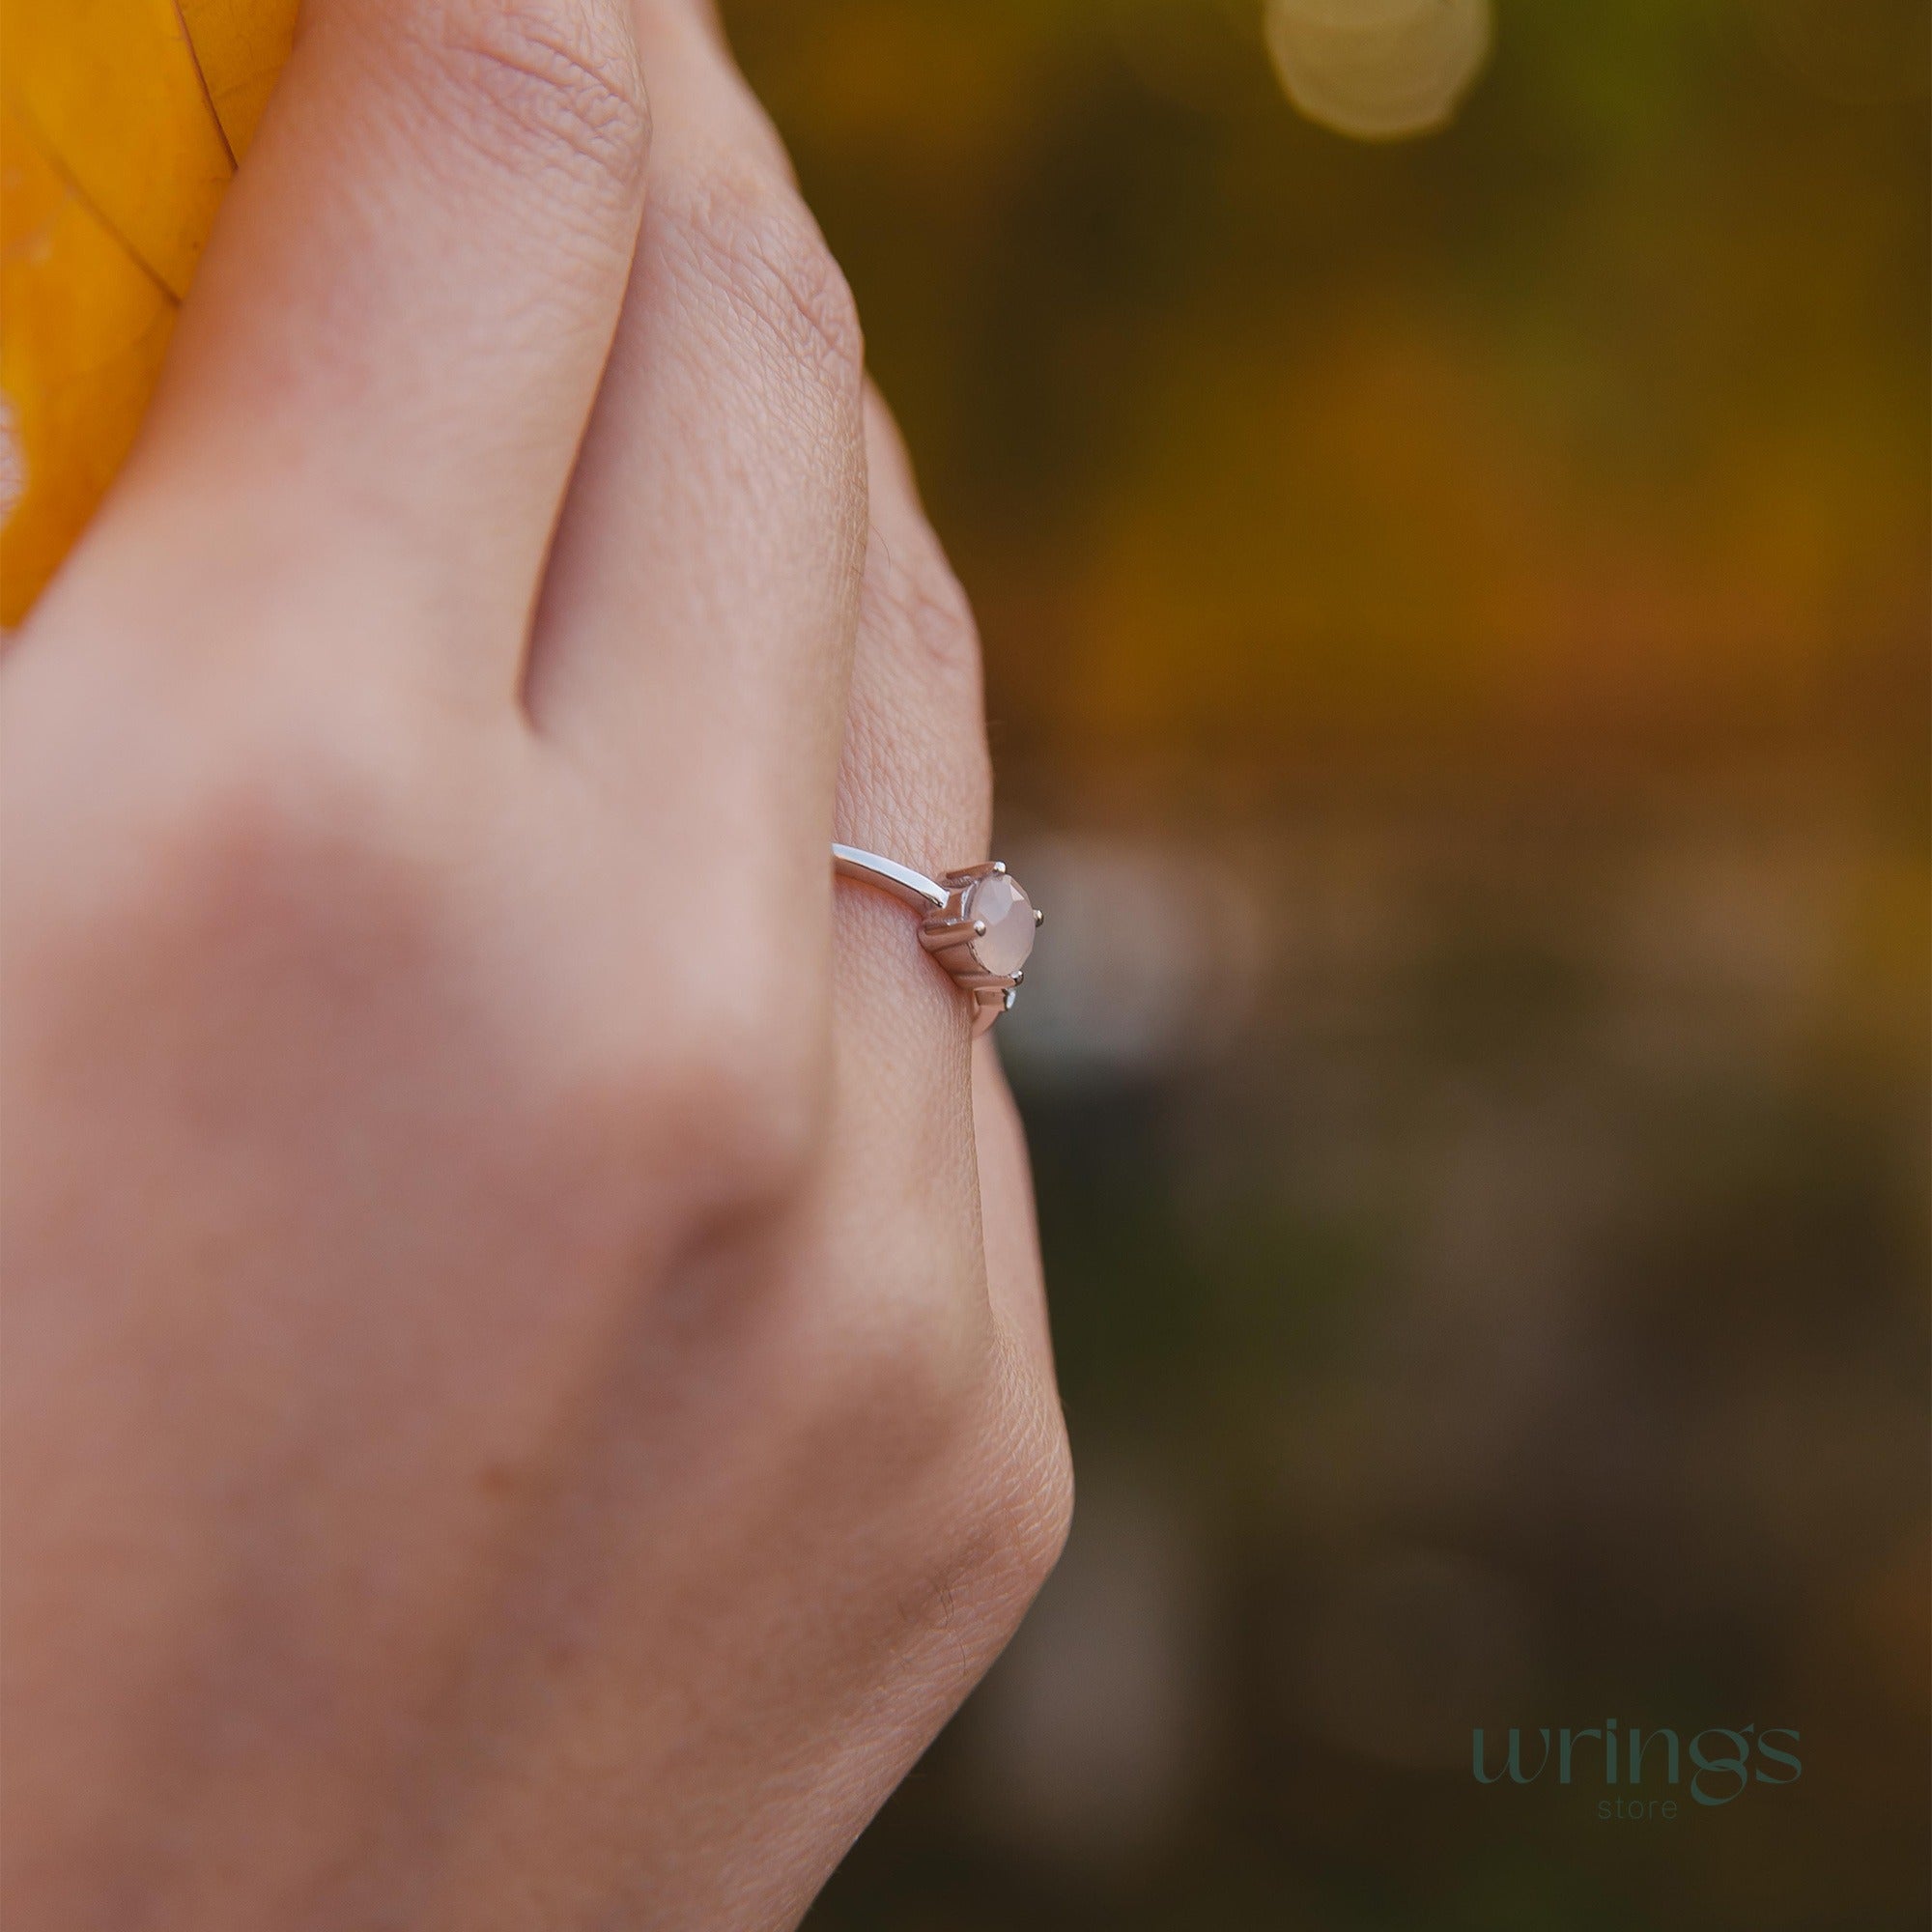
<point x="694" y="640"/>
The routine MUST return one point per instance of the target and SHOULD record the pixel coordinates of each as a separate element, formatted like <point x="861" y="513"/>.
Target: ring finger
<point x="915" y="783"/>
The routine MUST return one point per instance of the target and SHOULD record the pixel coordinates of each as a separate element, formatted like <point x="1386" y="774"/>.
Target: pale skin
<point x="527" y="1393"/>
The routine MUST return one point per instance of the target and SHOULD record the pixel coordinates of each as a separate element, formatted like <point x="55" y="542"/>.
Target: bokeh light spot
<point x="1377" y="70"/>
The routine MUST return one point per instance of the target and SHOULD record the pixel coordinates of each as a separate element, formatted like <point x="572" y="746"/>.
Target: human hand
<point x="526" y="1396"/>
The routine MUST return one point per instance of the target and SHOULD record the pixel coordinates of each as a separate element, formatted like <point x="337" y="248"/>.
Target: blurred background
<point x="1456" y="618"/>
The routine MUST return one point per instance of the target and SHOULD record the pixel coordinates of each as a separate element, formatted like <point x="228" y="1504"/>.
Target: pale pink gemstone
<point x="1008" y="939"/>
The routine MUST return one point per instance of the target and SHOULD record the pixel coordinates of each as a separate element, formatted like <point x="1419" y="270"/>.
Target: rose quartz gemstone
<point x="1008" y="939"/>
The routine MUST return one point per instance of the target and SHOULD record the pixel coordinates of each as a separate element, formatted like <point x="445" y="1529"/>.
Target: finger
<point x="1015" y="1283"/>
<point x="915" y="779"/>
<point x="397" y="331"/>
<point x="916" y="784"/>
<point x="696" y="632"/>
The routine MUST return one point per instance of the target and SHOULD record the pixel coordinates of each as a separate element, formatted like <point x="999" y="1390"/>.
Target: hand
<point x="527" y="1393"/>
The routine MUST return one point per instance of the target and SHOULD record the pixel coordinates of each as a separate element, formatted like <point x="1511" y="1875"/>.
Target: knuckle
<point x="998" y="1531"/>
<point x="750" y="236"/>
<point x="942" y="1389"/>
<point x="1048" y="1518"/>
<point x="747" y="1085"/>
<point x="1027" y="1503"/>
<point x="550" y="83"/>
<point x="305" y="818"/>
<point x="918" y="601"/>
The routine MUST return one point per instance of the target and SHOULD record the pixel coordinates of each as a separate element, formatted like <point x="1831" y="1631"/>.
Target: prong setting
<point x="979" y="922"/>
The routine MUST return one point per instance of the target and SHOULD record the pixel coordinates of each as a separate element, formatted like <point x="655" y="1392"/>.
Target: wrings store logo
<point x="1724" y="1763"/>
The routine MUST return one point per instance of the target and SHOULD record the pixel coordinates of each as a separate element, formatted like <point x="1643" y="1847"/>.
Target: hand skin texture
<point x="527" y="1392"/>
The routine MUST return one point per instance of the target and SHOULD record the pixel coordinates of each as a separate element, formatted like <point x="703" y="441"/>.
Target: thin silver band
<point x="901" y="881"/>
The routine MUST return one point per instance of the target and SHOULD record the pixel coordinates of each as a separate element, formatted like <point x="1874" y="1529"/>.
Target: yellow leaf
<point x="122" y="121"/>
<point x="83" y="327"/>
<point x="241" y="46"/>
<point x="111" y="89"/>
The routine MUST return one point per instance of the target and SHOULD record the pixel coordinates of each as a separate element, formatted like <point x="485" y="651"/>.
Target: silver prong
<point x="979" y="928"/>
<point x="1019" y="974"/>
<point x="999" y="864"/>
<point x="1039" y="916"/>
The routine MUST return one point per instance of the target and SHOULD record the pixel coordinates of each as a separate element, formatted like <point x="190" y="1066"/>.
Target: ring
<point x="979" y="922"/>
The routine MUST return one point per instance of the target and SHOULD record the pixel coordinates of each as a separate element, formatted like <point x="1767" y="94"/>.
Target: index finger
<point x="403" y="311"/>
